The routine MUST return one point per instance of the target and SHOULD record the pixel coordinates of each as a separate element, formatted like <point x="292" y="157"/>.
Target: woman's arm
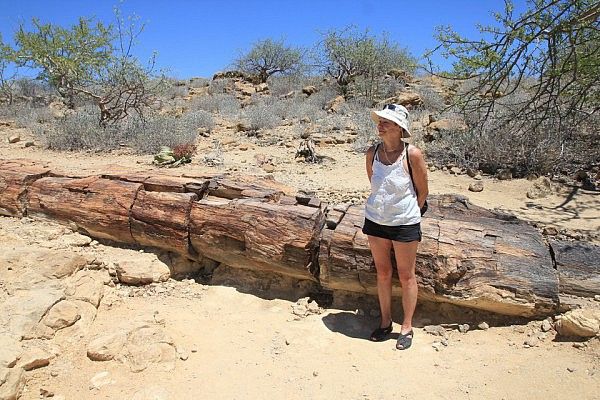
<point x="369" y="161"/>
<point x="419" y="169"/>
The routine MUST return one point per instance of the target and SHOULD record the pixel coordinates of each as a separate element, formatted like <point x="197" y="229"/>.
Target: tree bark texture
<point x="578" y="266"/>
<point x="469" y="256"/>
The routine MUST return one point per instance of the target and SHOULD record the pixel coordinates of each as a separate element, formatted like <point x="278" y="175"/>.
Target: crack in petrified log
<point x="469" y="256"/>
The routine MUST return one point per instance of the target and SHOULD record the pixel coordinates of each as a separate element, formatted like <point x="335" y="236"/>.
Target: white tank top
<point x="393" y="200"/>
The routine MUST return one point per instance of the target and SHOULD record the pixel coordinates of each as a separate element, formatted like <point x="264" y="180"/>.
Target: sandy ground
<point x="237" y="342"/>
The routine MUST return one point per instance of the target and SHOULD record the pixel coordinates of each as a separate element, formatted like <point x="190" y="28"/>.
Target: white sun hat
<point x="396" y="113"/>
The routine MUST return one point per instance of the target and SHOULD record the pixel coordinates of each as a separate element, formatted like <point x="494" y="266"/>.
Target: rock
<point x="34" y="358"/>
<point x="456" y="171"/>
<point x="14" y="139"/>
<point x="61" y="315"/>
<point x="147" y="344"/>
<point x="334" y="104"/>
<point x="436" y="330"/>
<point x="101" y="379"/>
<point x="504" y="174"/>
<point x="437" y="346"/>
<point x="546" y="326"/>
<point x="152" y="393"/>
<point x="139" y="272"/>
<point x="472" y="172"/>
<point x="476" y="187"/>
<point x="308" y="90"/>
<point x="483" y="326"/>
<point x="463" y="328"/>
<point x="13" y="384"/>
<point x="541" y="187"/>
<point x="531" y="342"/>
<point x="581" y="323"/>
<point x="107" y="347"/>
<point x="10" y="349"/>
<point x="447" y="125"/>
<point x="408" y="99"/>
<point x="87" y="286"/>
<point x="25" y="308"/>
<point x="29" y="143"/>
<point x="550" y="231"/>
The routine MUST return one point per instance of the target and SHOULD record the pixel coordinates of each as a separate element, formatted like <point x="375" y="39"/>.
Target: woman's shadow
<point x="349" y="324"/>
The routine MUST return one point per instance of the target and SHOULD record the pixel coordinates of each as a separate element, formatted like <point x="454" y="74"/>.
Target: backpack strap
<point x="375" y="153"/>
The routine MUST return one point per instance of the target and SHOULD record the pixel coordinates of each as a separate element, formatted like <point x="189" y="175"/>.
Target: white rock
<point x="34" y="358"/>
<point x="134" y="272"/>
<point x="10" y="349"/>
<point x="61" y="315"/>
<point x="101" y="379"/>
<point x="13" y="384"/>
<point x="582" y="323"/>
<point x="106" y="347"/>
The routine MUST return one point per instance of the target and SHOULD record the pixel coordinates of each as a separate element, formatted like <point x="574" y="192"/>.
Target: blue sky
<point x="199" y="38"/>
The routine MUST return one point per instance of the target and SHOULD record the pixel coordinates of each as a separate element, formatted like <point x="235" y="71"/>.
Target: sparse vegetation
<point x="533" y="81"/>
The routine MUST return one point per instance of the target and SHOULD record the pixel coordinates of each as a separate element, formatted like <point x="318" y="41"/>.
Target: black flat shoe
<point x="380" y="334"/>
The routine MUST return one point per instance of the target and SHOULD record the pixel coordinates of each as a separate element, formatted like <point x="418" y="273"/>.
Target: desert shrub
<point x="214" y="157"/>
<point x="281" y="85"/>
<point x="29" y="115"/>
<point x="333" y="122"/>
<point x="224" y="104"/>
<point x="80" y="130"/>
<point x="197" y="119"/>
<point x="148" y="135"/>
<point x="173" y="88"/>
<point x="367" y="133"/>
<point x="198" y="82"/>
<point x="32" y="88"/>
<point x="432" y="100"/>
<point x="261" y="117"/>
<point x="220" y="86"/>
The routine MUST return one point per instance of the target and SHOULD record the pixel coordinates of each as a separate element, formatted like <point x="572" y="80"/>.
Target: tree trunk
<point x="469" y="256"/>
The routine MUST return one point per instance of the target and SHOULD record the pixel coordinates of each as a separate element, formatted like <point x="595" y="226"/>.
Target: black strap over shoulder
<point x="375" y="153"/>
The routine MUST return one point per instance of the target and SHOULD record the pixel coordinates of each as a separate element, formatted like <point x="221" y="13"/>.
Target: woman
<point x="393" y="217"/>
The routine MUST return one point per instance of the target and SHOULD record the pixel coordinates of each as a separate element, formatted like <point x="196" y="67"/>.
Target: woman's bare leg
<point x="406" y="254"/>
<point x="381" y="251"/>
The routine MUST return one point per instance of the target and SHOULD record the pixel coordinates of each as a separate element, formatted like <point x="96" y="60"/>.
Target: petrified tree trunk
<point x="15" y="178"/>
<point x="99" y="206"/>
<point x="259" y="235"/>
<point x="578" y="266"/>
<point x="469" y="256"/>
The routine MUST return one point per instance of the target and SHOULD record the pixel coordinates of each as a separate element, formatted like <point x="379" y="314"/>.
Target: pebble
<point x="571" y="369"/>
<point x="464" y="328"/>
<point x="546" y="326"/>
<point x="531" y="342"/>
<point x="597" y="297"/>
<point x="484" y="326"/>
<point x="579" y="345"/>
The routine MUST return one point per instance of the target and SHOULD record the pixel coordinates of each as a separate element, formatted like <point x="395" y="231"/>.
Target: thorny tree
<point x="268" y="57"/>
<point x="537" y="74"/>
<point x="92" y="60"/>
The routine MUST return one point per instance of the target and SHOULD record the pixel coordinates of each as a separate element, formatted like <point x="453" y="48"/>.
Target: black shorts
<point x="400" y="233"/>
